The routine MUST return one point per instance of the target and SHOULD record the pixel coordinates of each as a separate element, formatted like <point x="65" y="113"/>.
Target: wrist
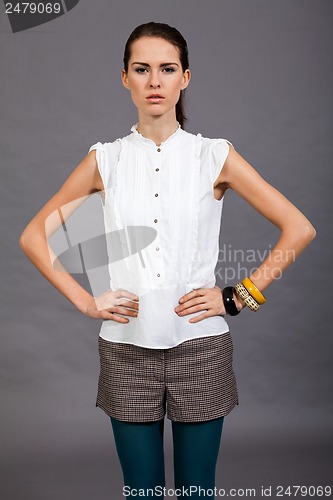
<point x="240" y="304"/>
<point x="83" y="304"/>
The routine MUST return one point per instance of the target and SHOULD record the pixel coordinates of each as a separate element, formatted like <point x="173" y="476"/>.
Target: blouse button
<point x="157" y="169"/>
<point x="155" y="220"/>
<point x="159" y="150"/>
<point x="157" y="249"/>
<point x="156" y="194"/>
<point x="158" y="275"/>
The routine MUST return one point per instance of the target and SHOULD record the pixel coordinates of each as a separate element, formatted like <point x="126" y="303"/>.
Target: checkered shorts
<point x="191" y="382"/>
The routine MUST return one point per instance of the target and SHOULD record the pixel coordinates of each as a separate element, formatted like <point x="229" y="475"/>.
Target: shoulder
<point x="108" y="148"/>
<point x="215" y="150"/>
<point x="208" y="143"/>
<point x="216" y="143"/>
<point x="105" y="156"/>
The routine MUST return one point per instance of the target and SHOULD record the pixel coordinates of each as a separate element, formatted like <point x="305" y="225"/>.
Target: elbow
<point x="308" y="233"/>
<point x="300" y="233"/>
<point x="23" y="241"/>
<point x="311" y="231"/>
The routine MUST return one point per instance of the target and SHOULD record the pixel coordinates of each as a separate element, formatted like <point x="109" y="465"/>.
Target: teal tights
<point x="140" y="450"/>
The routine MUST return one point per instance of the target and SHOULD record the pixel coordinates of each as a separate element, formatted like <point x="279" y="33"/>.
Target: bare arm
<point x="296" y="230"/>
<point x="296" y="234"/>
<point x="83" y="181"/>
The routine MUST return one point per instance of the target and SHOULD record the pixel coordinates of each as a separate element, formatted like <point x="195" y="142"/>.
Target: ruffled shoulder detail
<point x="107" y="156"/>
<point x="220" y="151"/>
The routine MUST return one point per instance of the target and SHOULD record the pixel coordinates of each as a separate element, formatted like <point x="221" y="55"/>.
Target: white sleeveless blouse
<point x="167" y="190"/>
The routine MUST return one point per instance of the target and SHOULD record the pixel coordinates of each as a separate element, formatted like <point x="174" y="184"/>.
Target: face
<point x="155" y="76"/>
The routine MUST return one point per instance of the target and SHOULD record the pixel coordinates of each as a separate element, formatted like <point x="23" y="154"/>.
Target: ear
<point x="124" y="79"/>
<point x="186" y="79"/>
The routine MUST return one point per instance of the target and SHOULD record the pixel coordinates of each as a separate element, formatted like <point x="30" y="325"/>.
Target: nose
<point x="154" y="81"/>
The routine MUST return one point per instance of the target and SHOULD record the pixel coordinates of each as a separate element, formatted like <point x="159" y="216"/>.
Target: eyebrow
<point x="161" y="65"/>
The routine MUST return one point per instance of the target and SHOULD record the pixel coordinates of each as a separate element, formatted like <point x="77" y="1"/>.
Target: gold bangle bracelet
<point x="254" y="291"/>
<point x="248" y="299"/>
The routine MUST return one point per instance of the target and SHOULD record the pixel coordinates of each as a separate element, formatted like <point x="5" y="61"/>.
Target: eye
<point x="141" y="70"/>
<point x="169" y="69"/>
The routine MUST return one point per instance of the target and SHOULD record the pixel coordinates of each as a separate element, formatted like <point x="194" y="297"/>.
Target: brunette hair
<point x="170" y="34"/>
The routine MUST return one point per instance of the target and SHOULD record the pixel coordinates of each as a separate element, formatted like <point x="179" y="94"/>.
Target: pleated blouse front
<point x="161" y="201"/>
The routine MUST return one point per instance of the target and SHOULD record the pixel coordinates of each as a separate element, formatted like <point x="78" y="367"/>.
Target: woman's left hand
<point x="202" y="299"/>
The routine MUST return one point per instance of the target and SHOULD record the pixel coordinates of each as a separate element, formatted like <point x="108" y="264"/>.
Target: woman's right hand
<point x="110" y="304"/>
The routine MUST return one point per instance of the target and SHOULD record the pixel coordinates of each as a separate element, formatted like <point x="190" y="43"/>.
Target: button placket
<point x="157" y="212"/>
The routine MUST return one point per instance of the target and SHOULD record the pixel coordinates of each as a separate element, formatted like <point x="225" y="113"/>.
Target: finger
<point x="197" y="292"/>
<point x="111" y="301"/>
<point x="190" y="303"/>
<point x="127" y="294"/>
<point x="131" y="304"/>
<point x="110" y="316"/>
<point x="187" y="296"/>
<point x="125" y="311"/>
<point x="200" y="317"/>
<point x="191" y="310"/>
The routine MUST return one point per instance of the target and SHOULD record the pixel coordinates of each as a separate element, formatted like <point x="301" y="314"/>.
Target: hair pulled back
<point x="170" y="34"/>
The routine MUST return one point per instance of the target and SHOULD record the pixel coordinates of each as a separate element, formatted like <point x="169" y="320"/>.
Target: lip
<point x="155" y="97"/>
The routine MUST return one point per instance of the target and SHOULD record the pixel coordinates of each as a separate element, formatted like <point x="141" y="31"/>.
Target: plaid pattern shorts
<point x="191" y="382"/>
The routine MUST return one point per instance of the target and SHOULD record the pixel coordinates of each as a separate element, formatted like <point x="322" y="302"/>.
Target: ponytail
<point x="180" y="115"/>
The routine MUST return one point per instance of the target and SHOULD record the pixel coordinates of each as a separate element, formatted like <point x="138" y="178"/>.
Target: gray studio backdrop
<point x="262" y="78"/>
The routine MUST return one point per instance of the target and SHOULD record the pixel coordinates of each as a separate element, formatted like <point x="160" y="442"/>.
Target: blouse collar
<point x="148" y="142"/>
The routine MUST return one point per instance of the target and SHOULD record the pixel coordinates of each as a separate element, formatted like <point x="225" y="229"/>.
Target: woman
<point x="173" y="352"/>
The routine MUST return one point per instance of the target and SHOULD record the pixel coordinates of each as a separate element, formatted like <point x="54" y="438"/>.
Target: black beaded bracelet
<point x="228" y="301"/>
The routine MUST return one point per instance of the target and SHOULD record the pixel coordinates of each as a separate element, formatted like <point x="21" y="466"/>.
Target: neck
<point x="157" y="128"/>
